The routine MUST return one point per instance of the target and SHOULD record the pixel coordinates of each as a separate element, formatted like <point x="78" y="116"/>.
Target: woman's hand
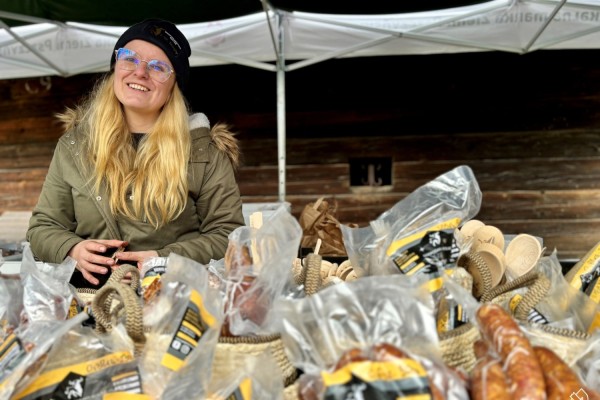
<point x="89" y="257"/>
<point x="136" y="256"/>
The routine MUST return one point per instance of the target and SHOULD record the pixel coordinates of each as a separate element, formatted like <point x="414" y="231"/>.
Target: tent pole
<point x="281" y="108"/>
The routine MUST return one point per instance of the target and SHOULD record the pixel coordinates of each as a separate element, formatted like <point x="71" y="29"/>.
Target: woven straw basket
<point x="457" y="346"/>
<point x="230" y="350"/>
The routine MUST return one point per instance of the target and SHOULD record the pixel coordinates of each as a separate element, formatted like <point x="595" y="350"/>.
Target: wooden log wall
<point x="528" y="126"/>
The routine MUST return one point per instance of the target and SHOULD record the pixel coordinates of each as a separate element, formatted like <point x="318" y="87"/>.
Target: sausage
<point x="253" y="306"/>
<point x="561" y="380"/>
<point x="488" y="381"/>
<point x="480" y="348"/>
<point x="523" y="370"/>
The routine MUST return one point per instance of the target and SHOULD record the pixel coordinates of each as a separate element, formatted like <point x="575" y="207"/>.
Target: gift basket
<point x="255" y="272"/>
<point x="372" y="338"/>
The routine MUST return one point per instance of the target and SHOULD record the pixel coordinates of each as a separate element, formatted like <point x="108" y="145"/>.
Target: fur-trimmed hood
<point x="221" y="135"/>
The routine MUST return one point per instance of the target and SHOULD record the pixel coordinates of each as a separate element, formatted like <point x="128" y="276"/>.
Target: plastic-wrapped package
<point x="588" y="362"/>
<point x="524" y="373"/>
<point x="11" y="304"/>
<point x="24" y="351"/>
<point x="416" y="232"/>
<point x="47" y="293"/>
<point x="584" y="276"/>
<point x="563" y="303"/>
<point x="258" y="270"/>
<point x="532" y="372"/>
<point x="373" y="335"/>
<point x="152" y="270"/>
<point x="186" y="323"/>
<point x="83" y="364"/>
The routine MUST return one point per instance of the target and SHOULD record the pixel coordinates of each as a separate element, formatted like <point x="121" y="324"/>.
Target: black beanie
<point x="165" y="35"/>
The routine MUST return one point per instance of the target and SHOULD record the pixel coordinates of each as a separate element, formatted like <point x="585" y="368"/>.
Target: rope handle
<point x="538" y="286"/>
<point x="118" y="274"/>
<point x="312" y="275"/>
<point x="105" y="310"/>
<point x="477" y="267"/>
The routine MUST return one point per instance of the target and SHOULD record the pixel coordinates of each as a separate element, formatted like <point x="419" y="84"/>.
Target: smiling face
<point x="142" y="97"/>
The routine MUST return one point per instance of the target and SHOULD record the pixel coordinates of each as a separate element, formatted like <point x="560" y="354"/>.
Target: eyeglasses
<point x="129" y="60"/>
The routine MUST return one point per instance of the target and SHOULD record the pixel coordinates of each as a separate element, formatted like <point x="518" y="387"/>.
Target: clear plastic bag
<point x="47" y="293"/>
<point x="372" y="311"/>
<point x="29" y="345"/>
<point x="84" y="364"/>
<point x="258" y="270"/>
<point x="11" y="304"/>
<point x="588" y="362"/>
<point x="438" y="206"/>
<point x="565" y="306"/>
<point x="185" y="326"/>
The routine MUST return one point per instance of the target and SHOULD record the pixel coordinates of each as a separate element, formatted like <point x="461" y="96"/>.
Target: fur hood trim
<point x="221" y="135"/>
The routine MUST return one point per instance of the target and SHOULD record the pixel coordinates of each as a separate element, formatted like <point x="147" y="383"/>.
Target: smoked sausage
<point x="523" y="370"/>
<point x="561" y="380"/>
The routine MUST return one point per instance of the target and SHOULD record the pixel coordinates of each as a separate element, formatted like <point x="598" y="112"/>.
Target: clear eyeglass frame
<point x="129" y="60"/>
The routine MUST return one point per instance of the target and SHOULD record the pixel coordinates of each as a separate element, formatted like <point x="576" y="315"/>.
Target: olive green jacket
<point x="69" y="211"/>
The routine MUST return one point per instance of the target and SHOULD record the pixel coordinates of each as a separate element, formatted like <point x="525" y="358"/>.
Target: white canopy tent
<point x="282" y="41"/>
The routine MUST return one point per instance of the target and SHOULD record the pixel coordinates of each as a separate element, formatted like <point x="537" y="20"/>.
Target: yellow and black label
<point x="584" y="275"/>
<point x="433" y="246"/>
<point x="152" y="274"/>
<point x="127" y="382"/>
<point x="126" y="396"/>
<point x="402" y="379"/>
<point x="534" y="315"/>
<point x="593" y="288"/>
<point x="195" y="321"/>
<point x="74" y="308"/>
<point x="11" y="353"/>
<point x="451" y="317"/>
<point x="79" y="380"/>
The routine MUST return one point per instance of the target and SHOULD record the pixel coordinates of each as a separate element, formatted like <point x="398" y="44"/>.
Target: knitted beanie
<point x="165" y="35"/>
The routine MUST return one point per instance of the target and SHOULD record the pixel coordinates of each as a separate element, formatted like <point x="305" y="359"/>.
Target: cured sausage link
<point x="523" y="370"/>
<point x="561" y="380"/>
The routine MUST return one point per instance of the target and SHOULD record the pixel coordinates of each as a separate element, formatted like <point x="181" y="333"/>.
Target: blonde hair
<point x="155" y="174"/>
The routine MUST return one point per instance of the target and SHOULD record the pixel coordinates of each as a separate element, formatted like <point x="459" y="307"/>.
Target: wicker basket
<point x="457" y="346"/>
<point x="230" y="350"/>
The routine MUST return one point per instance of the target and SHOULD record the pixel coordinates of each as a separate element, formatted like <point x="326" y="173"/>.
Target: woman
<point x="134" y="170"/>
